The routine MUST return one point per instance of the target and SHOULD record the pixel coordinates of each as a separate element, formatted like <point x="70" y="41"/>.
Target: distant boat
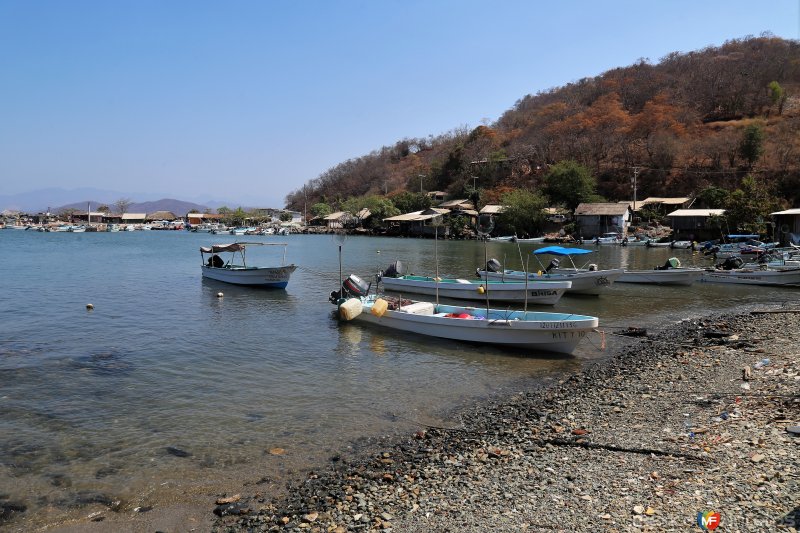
<point x="236" y="271"/>
<point x="608" y="238"/>
<point x="531" y="330"/>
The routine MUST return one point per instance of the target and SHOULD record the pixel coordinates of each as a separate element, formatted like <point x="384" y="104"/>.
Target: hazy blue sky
<point x="244" y="101"/>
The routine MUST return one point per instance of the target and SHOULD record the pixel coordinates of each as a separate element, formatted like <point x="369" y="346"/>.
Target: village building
<point x="694" y="224"/>
<point x="420" y="223"/>
<point x="787" y="224"/>
<point x="595" y="219"/>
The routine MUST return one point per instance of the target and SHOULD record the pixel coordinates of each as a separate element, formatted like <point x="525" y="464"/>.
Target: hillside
<point x="679" y="122"/>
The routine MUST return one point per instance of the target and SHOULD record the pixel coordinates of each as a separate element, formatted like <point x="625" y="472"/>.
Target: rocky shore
<point x="696" y="419"/>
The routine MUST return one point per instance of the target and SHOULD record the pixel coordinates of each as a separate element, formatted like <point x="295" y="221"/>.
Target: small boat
<point x="588" y="280"/>
<point x="504" y="238"/>
<point x="529" y="330"/>
<point x="608" y="238"/>
<point x="534" y="292"/>
<point x="671" y="273"/>
<point x="238" y="272"/>
<point x="112" y="227"/>
<point x="681" y="244"/>
<point x="658" y="244"/>
<point x="634" y="241"/>
<point x="754" y="276"/>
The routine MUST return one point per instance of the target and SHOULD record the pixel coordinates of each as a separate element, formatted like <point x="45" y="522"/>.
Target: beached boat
<point x="671" y="273"/>
<point x="754" y="276"/>
<point x="534" y="292"/>
<point x="587" y="280"/>
<point x="236" y="271"/>
<point x="530" y="330"/>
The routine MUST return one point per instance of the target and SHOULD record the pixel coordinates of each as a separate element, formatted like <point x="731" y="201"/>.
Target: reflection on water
<point x="95" y="403"/>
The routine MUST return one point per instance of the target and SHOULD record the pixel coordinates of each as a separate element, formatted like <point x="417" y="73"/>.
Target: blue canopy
<point x="560" y="250"/>
<point x="743" y="236"/>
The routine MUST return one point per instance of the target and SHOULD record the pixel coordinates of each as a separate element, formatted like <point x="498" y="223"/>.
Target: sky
<point x="245" y="101"/>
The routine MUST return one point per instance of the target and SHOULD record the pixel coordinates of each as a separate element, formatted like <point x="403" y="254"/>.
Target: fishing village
<point x="583" y="316"/>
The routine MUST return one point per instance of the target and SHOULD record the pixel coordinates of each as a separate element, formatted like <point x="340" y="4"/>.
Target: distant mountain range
<point x="55" y="200"/>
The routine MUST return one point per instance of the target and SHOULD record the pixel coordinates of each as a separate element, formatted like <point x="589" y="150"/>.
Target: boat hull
<point x="754" y="277"/>
<point x="673" y="276"/>
<point x="545" y="332"/>
<point x="592" y="282"/>
<point x="538" y="292"/>
<point x="267" y="277"/>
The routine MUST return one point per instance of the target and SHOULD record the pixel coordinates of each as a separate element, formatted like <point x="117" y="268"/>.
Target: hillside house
<point x="596" y="219"/>
<point x="787" y="224"/>
<point x="693" y="224"/>
<point x="419" y="223"/>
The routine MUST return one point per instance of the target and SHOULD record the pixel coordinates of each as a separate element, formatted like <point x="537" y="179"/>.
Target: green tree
<point x="321" y="209"/>
<point x="776" y="95"/>
<point x="379" y="207"/>
<point x="751" y="147"/>
<point x="523" y="213"/>
<point x="285" y="217"/>
<point x="407" y="202"/>
<point x="569" y="183"/>
<point x="713" y="197"/>
<point x="748" y="207"/>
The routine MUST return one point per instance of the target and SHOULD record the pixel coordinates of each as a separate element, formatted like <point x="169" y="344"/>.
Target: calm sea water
<point x="91" y="400"/>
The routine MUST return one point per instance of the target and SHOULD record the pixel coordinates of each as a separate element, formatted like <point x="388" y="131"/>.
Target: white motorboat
<point x="534" y="292"/>
<point x="754" y="276"/>
<point x="236" y="271"/>
<point x="587" y="280"/>
<point x="608" y="238"/>
<point x="529" y="330"/>
<point x="670" y="274"/>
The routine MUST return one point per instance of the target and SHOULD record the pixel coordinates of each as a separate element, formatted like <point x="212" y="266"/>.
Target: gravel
<point x="694" y="419"/>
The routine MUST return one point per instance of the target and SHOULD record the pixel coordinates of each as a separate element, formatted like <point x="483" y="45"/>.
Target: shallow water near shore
<point x="165" y="392"/>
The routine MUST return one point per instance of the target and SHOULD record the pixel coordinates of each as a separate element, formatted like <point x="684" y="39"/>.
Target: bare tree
<point x="122" y="205"/>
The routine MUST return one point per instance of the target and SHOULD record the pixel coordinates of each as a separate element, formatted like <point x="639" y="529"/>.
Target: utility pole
<point x="420" y="182"/>
<point x="636" y="171"/>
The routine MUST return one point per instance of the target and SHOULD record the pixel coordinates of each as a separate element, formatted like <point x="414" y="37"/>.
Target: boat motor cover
<point x="554" y="263"/>
<point x="355" y="286"/>
<point x="394" y="270"/>
<point x="493" y="265"/>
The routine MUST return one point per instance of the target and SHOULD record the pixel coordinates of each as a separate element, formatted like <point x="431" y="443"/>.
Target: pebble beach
<point x="698" y="418"/>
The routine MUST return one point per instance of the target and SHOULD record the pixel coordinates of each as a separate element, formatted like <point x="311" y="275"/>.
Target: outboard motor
<point x="731" y="263"/>
<point x="394" y="270"/>
<point x="353" y="286"/>
<point x="493" y="265"/>
<point x="554" y="263"/>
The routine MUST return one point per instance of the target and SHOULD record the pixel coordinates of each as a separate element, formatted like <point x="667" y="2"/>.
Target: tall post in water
<point x="436" y="258"/>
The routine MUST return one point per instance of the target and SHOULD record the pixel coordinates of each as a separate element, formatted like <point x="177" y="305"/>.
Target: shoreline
<point x="663" y="429"/>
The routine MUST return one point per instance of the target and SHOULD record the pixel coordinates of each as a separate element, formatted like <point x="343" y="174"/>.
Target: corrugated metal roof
<point x="696" y="212"/>
<point x="492" y="209"/>
<point x="607" y="208"/>
<point x="415" y="216"/>
<point x="134" y="216"/>
<point x="464" y="204"/>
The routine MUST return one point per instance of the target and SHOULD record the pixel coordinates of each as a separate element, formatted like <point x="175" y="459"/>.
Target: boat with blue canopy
<point x="587" y="279"/>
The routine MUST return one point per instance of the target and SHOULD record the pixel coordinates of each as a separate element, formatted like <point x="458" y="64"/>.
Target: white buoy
<point x="89" y="307"/>
<point x="379" y="251"/>
<point x="220" y="295"/>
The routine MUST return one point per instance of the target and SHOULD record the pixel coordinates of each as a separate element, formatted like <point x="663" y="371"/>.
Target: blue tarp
<point x="560" y="250"/>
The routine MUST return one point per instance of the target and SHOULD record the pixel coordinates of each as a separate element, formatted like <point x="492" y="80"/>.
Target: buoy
<point x="220" y="295"/>
<point x="89" y="307"/>
<point x="379" y="251"/>
<point x="481" y="290"/>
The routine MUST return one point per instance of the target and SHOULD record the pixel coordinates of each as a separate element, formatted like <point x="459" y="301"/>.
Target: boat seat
<point x="419" y="308"/>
